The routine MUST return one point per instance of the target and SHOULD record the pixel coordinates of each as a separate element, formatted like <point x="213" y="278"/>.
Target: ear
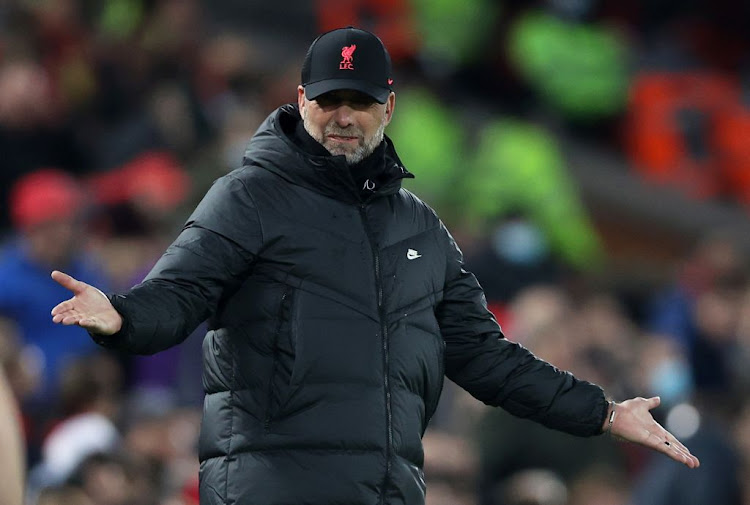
<point x="301" y="99"/>
<point x="390" y="104"/>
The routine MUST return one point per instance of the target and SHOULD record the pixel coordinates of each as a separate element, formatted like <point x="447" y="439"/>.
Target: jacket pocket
<point x="436" y="391"/>
<point x="284" y="356"/>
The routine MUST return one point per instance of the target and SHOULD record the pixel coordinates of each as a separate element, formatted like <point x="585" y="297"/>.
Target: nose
<point x="343" y="115"/>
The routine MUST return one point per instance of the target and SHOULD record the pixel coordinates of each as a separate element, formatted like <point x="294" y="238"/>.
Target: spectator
<point x="33" y="134"/>
<point x="108" y="479"/>
<point x="666" y="372"/>
<point x="544" y="318"/>
<point x="715" y="261"/>
<point x="89" y="403"/>
<point x="48" y="212"/>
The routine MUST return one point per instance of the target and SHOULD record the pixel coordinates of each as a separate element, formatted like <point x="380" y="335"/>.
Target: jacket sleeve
<point x="212" y="255"/>
<point x="501" y="373"/>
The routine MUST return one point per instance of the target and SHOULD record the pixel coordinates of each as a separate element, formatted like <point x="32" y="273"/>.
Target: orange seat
<point x="668" y="129"/>
<point x="391" y="20"/>
<point x="731" y="135"/>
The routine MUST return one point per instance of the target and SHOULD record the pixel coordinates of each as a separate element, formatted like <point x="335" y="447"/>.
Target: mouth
<point x="343" y="139"/>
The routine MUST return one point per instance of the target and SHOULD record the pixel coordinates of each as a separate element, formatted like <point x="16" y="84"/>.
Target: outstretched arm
<point x="505" y="374"/>
<point x="632" y="421"/>
<point x="212" y="255"/>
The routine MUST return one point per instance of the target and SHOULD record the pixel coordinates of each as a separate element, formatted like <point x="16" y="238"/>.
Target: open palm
<point x="89" y="308"/>
<point x="634" y="422"/>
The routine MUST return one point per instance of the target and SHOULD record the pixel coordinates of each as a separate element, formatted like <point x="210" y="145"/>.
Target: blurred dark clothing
<point x="502" y="278"/>
<point x="670" y="314"/>
<point x="710" y="361"/>
<point x="507" y="444"/>
<point x="716" y="481"/>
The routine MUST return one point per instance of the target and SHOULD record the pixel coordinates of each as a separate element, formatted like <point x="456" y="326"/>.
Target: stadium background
<point x="591" y="157"/>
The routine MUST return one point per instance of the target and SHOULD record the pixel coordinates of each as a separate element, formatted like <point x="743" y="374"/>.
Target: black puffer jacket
<point x="332" y="324"/>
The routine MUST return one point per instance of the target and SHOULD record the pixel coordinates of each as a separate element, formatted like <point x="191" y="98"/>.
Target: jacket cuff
<point x="605" y="411"/>
<point x="119" y="339"/>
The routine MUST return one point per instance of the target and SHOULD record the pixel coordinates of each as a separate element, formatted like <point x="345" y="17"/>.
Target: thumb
<point x="653" y="402"/>
<point x="67" y="281"/>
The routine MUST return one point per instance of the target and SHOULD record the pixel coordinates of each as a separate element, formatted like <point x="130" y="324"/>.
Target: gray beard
<point x="362" y="151"/>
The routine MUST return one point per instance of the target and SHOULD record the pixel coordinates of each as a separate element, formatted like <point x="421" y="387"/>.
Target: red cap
<point x="44" y="195"/>
<point x="154" y="179"/>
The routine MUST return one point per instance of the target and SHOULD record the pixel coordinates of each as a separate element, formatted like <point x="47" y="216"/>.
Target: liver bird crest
<point x="347" y="53"/>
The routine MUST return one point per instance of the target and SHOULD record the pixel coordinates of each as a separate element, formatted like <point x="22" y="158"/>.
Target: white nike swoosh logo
<point x="411" y="254"/>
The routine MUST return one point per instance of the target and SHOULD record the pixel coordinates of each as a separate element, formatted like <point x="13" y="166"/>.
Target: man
<point x="336" y="303"/>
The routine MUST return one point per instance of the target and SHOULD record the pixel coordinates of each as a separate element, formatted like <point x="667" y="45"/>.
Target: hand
<point x="633" y="422"/>
<point x="89" y="308"/>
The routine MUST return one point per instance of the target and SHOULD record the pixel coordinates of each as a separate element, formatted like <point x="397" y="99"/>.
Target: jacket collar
<point x="275" y="147"/>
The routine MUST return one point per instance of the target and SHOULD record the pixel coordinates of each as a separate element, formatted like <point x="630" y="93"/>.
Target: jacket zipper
<point x="277" y="334"/>
<point x="386" y="364"/>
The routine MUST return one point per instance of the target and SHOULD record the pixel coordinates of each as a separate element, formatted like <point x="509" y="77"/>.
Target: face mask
<point x="672" y="380"/>
<point x="519" y="242"/>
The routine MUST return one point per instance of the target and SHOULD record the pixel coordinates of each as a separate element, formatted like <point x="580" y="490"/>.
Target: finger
<point x="71" y="319"/>
<point x="653" y="402"/>
<point x="660" y="444"/>
<point x="63" y="307"/>
<point x="668" y="437"/>
<point x="672" y="450"/>
<point x="67" y="281"/>
<point x="672" y="441"/>
<point x="57" y="318"/>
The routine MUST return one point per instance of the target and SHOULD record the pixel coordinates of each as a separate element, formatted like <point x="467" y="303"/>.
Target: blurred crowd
<point x="116" y="115"/>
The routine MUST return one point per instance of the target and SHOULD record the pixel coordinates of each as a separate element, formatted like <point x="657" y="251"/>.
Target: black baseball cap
<point x="347" y="58"/>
